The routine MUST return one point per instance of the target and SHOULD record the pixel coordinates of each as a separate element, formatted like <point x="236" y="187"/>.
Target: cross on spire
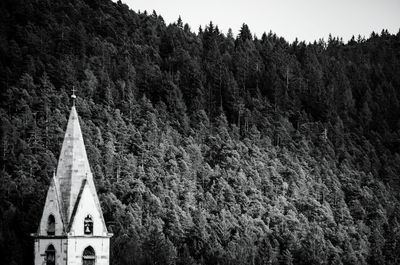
<point x="73" y="96"/>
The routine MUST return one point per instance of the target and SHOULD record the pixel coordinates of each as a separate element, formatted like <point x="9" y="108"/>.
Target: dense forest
<point x="206" y="148"/>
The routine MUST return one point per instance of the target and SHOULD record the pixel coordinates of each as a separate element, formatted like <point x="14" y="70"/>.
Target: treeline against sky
<point x="206" y="148"/>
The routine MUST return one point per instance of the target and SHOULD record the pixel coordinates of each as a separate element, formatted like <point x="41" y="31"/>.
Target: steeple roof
<point x="73" y="166"/>
<point x="72" y="194"/>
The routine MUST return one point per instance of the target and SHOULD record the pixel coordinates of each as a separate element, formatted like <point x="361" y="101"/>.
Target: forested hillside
<point x="206" y="148"/>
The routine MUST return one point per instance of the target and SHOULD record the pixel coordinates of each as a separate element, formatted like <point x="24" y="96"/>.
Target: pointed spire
<point x="73" y="165"/>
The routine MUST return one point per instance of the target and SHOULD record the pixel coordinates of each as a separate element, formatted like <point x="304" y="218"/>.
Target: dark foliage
<point x="206" y="149"/>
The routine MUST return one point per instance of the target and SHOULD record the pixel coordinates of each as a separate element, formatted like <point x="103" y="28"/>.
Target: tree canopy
<point x="206" y="148"/>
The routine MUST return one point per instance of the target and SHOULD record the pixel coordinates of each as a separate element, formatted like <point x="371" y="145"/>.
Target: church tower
<point x="72" y="229"/>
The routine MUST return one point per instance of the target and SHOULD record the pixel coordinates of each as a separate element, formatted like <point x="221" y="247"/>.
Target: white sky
<point x="308" y="20"/>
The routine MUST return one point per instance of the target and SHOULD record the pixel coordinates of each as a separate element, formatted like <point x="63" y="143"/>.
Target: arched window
<point x="50" y="255"/>
<point x="88" y="225"/>
<point x="51" y="225"/>
<point x="89" y="257"/>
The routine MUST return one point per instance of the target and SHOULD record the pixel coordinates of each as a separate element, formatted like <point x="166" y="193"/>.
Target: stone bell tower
<point x="72" y="229"/>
